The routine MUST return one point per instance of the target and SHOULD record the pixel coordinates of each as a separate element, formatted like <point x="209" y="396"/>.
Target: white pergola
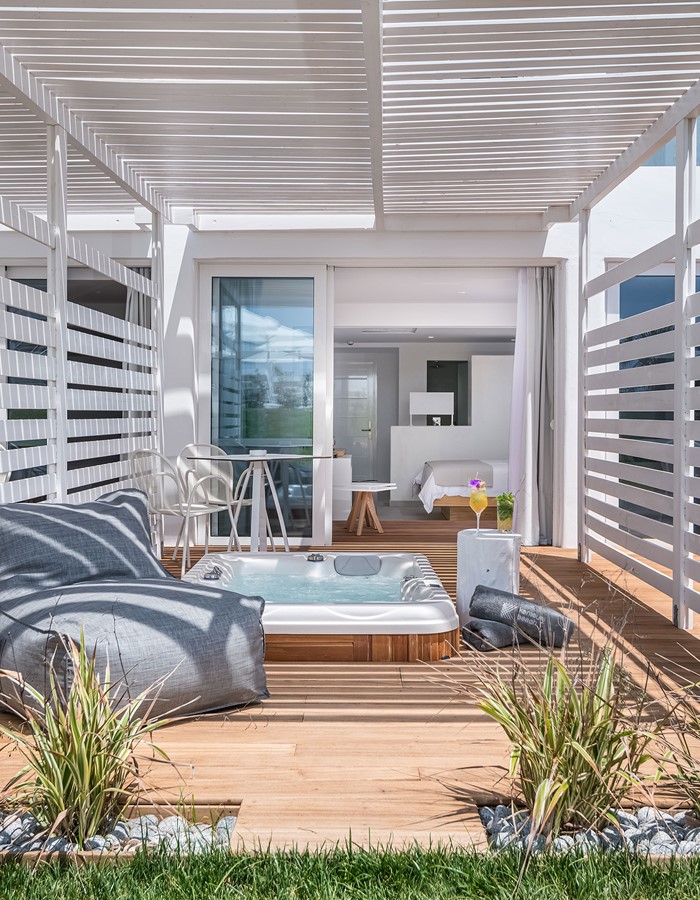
<point x="395" y="115"/>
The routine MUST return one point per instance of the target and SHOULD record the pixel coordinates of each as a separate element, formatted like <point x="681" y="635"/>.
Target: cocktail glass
<point x="478" y="499"/>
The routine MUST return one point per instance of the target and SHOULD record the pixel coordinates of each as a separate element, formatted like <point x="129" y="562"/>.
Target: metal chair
<point x="168" y="495"/>
<point x="191" y="469"/>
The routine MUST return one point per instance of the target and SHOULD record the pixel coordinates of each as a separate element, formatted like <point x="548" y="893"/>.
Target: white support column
<point x="686" y="258"/>
<point x="157" y="322"/>
<point x="57" y="285"/>
<point x="583" y="275"/>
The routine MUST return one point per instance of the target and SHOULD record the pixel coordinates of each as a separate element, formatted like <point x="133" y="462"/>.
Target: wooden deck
<point x="386" y="752"/>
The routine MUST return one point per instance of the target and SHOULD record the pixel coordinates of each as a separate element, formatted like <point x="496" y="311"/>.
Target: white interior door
<point x="355" y="415"/>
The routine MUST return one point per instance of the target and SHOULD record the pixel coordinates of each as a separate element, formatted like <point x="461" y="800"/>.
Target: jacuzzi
<point x="371" y="607"/>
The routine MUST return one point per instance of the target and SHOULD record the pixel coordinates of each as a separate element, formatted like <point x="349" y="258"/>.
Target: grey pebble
<point x="173" y="825"/>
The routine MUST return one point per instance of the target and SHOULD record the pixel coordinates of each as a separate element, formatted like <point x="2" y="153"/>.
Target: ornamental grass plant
<point x="580" y="734"/>
<point x="84" y="751"/>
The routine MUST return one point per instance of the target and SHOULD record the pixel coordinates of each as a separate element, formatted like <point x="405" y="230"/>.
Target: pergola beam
<point x="17" y="79"/>
<point x="645" y="146"/>
<point x="372" y="39"/>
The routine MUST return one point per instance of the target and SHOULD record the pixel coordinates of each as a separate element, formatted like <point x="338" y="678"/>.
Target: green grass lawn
<point x="413" y="875"/>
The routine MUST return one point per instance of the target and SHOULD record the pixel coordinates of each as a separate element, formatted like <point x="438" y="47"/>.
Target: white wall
<point x="486" y="438"/>
<point x="413" y="365"/>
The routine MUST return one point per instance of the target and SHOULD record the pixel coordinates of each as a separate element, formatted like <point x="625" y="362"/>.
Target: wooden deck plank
<point x="386" y="751"/>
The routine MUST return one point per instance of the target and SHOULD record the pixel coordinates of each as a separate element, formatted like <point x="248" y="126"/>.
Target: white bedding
<point x="431" y="490"/>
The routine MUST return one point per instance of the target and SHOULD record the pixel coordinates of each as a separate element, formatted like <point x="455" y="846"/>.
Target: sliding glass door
<point x="262" y="384"/>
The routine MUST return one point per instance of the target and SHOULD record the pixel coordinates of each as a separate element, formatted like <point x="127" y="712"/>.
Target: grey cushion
<point x="357" y="564"/>
<point x="208" y="641"/>
<point x="49" y="545"/>
<point x="484" y="635"/>
<point x="539" y="623"/>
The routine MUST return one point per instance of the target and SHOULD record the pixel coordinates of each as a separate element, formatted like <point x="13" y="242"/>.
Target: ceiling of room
<point x="354" y="107"/>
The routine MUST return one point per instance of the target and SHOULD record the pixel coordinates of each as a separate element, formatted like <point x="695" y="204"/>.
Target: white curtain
<point x="531" y="423"/>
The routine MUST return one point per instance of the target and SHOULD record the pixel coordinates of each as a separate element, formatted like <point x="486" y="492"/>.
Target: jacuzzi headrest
<point x="357" y="564"/>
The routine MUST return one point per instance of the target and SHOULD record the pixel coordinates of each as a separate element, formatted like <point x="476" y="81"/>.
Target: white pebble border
<point x="646" y="831"/>
<point x="22" y="833"/>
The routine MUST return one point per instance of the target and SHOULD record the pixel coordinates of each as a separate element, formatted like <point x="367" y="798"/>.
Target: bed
<point x="444" y="483"/>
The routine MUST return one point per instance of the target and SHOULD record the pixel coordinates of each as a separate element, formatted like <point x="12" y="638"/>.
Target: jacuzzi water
<point x="333" y="588"/>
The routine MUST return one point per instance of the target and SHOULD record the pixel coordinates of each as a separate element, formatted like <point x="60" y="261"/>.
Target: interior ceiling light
<point x="389" y="330"/>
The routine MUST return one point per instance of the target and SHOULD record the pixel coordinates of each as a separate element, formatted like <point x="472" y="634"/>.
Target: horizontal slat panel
<point x="27" y="489"/>
<point x="12" y="293"/>
<point x="692" y="598"/>
<point x="651" y="528"/>
<point x="693" y="368"/>
<point x="692" y="569"/>
<point x="110" y="325"/>
<point x="663" y="481"/>
<point x="27" y="458"/>
<point x="692" y="305"/>
<point x="22" y="328"/>
<point x="85" y="428"/>
<point x="14" y="364"/>
<point x="26" y="396"/>
<point x="641" y="449"/>
<point x="103" y="348"/>
<point x="693" y="457"/>
<point x="99" y="401"/>
<point x="96" y="449"/>
<point x="647" y="549"/>
<point x="105" y="265"/>
<point x="692" y="487"/>
<point x="651" y="428"/>
<point x="660" y="503"/>
<point x="12" y="430"/>
<point x="693" y="398"/>
<point x="94" y="493"/>
<point x="656" y="579"/>
<point x="642" y="348"/>
<point x="692" y="543"/>
<point x="107" y="376"/>
<point x="19" y="219"/>
<point x="634" y="401"/>
<point x="93" y="474"/>
<point x="692" y="512"/>
<point x="651" y="320"/>
<point x="693" y="334"/>
<point x="693" y="430"/>
<point x="637" y="265"/>
<point x="637" y="376"/>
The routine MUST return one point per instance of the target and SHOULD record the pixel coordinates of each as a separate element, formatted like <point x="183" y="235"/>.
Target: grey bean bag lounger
<point x="539" y="623"/>
<point x="90" y="566"/>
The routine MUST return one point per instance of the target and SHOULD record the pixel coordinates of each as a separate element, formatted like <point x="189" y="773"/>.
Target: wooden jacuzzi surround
<point x="387" y="648"/>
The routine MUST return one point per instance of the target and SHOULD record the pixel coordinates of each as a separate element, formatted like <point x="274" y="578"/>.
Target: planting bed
<point x="21" y="833"/>
<point x="644" y="831"/>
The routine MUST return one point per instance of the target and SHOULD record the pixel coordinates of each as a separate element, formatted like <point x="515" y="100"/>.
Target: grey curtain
<point x="531" y="455"/>
<point x="544" y="297"/>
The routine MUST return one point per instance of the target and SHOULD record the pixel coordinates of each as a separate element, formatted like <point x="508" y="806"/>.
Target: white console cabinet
<point x="342" y="493"/>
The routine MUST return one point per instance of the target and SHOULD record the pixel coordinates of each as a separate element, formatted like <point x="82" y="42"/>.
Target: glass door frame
<point x="322" y="441"/>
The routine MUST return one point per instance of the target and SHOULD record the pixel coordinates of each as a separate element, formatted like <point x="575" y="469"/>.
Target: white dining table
<point x="258" y="472"/>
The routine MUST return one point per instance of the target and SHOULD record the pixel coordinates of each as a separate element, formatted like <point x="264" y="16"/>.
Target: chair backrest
<point x="156" y="476"/>
<point x="219" y="489"/>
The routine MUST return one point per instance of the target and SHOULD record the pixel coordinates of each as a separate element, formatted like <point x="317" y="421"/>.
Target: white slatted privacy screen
<point x="98" y="403"/>
<point x="629" y="443"/>
<point x="27" y="394"/>
<point x="640" y="410"/>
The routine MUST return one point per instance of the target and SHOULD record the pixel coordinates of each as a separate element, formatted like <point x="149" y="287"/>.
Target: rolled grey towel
<point x="483" y="635"/>
<point x="539" y="623"/>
